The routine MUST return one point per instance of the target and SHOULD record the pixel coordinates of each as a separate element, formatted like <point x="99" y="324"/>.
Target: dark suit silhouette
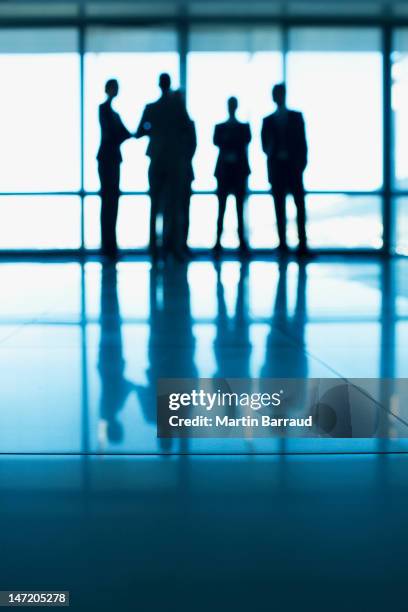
<point x="284" y="143"/>
<point x="109" y="157"/>
<point x="164" y="122"/>
<point x="189" y="148"/>
<point x="232" y="169"/>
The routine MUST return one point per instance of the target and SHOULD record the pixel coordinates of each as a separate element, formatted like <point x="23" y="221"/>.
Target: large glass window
<point x="40" y="222"/>
<point x="133" y="222"/>
<point x="400" y="143"/>
<point x="335" y="78"/>
<point x="136" y="58"/>
<point x="342" y="221"/>
<point x="231" y="62"/>
<point x="400" y="108"/>
<point x="401" y="233"/>
<point x="39" y="119"/>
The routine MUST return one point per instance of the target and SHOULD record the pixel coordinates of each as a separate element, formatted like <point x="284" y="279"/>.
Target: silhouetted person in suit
<point x="189" y="146"/>
<point x="284" y="143"/>
<point x="163" y="122"/>
<point x="109" y="157"/>
<point x="232" y="169"/>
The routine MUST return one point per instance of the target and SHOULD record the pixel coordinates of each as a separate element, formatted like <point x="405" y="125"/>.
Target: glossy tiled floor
<point x="80" y="349"/>
<point x="197" y="534"/>
<point x="81" y="346"/>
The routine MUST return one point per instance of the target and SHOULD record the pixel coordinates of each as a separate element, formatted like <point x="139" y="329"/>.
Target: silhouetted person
<point x="115" y="388"/>
<point x="109" y="157"/>
<point x="284" y="143"/>
<point x="164" y="122"/>
<point x="232" y="169"/>
<point x="189" y="146"/>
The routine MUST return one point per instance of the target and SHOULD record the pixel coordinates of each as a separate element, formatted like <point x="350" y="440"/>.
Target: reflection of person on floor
<point x="113" y="134"/>
<point x="115" y="388"/>
<point x="171" y="342"/>
<point x="232" y="170"/>
<point x="232" y="336"/>
<point x="285" y="355"/>
<point x="232" y="333"/>
<point x="284" y="143"/>
<point x="289" y="360"/>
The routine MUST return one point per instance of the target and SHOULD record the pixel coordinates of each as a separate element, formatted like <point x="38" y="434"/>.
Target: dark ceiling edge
<point x="174" y="20"/>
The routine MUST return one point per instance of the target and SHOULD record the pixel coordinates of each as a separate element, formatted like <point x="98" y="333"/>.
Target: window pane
<point x="341" y="221"/>
<point x="260" y="215"/>
<point x="222" y="63"/>
<point x="203" y="221"/>
<point x="334" y="221"/>
<point x="40" y="222"/>
<point x="39" y="120"/>
<point x="135" y="58"/>
<point x="132" y="227"/>
<point x="334" y="78"/>
<point x="400" y="107"/>
<point x="401" y="239"/>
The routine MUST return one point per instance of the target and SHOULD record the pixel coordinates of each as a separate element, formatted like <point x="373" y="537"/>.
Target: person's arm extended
<point x="145" y="125"/>
<point x="122" y="132"/>
<point x="112" y="128"/>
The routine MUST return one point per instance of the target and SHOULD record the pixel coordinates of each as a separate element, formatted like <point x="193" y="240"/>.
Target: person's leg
<point x="179" y="209"/>
<point x="104" y="214"/>
<point x="183" y="212"/>
<point x="186" y="214"/>
<point x="173" y="213"/>
<point x="222" y="204"/>
<point x="240" y="203"/>
<point x="114" y="209"/>
<point x="299" y="199"/>
<point x="169" y="203"/>
<point x="279" y="200"/>
<point x="278" y="181"/>
<point x="154" y="181"/>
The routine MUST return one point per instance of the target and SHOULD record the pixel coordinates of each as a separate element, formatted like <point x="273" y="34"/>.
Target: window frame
<point x="183" y="25"/>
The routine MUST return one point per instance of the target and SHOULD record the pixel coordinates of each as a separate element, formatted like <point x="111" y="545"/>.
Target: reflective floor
<point x="82" y="345"/>
<point x="80" y="350"/>
<point x="198" y="534"/>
